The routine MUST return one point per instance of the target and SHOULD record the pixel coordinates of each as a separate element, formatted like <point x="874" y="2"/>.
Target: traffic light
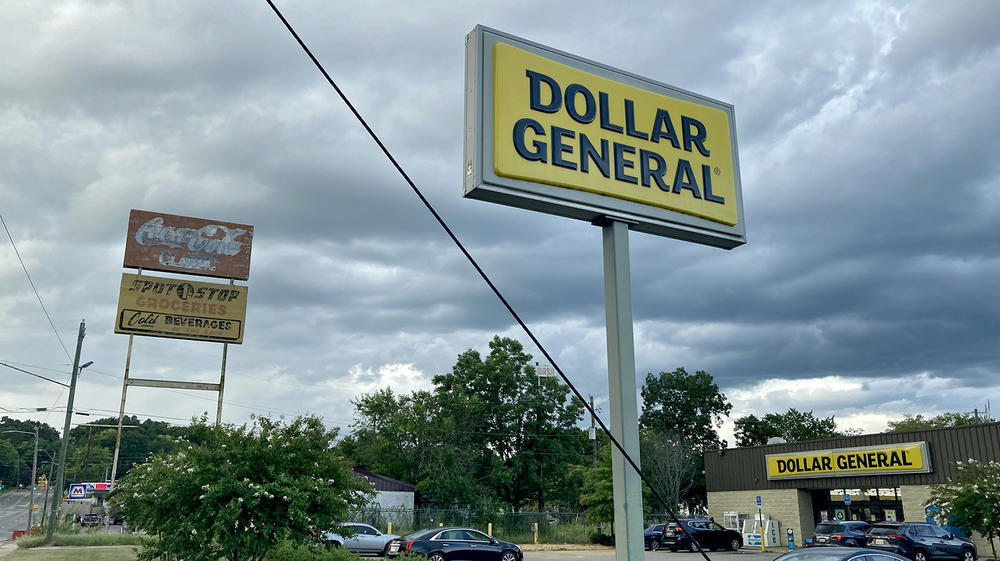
<point x="43" y="484"/>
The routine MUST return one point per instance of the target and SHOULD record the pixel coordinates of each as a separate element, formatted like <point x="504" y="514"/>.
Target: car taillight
<point x="836" y="537"/>
<point x="894" y="537"/>
<point x="409" y="544"/>
<point x="678" y="529"/>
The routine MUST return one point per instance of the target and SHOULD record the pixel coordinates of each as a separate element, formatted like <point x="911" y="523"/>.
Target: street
<point x="14" y="511"/>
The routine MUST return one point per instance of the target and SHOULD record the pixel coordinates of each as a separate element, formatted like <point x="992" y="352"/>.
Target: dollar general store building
<point x="874" y="477"/>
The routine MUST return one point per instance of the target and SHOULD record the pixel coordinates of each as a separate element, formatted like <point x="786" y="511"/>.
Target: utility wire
<point x="482" y="273"/>
<point x="40" y="303"/>
<point x="33" y="374"/>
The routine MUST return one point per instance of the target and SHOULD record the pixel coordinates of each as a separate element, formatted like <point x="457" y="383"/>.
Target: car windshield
<point x="652" y="527"/>
<point x="883" y="530"/>
<point x="828" y="528"/>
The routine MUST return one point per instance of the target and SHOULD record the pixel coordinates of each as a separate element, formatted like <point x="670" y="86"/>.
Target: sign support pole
<point x="121" y="413"/>
<point x="621" y="381"/>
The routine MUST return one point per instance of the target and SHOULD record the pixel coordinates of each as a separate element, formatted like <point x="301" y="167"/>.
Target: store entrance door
<point x="870" y="505"/>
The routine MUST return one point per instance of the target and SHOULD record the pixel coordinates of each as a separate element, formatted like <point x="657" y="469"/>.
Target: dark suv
<point x="920" y="541"/>
<point x="850" y="533"/>
<point x="706" y="531"/>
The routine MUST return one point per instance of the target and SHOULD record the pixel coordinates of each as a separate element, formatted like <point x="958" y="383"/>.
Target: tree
<point x="690" y="405"/>
<point x="523" y="426"/>
<point x="597" y="492"/>
<point x="690" y="408"/>
<point x="492" y="433"/>
<point x="234" y="492"/>
<point x="972" y="499"/>
<point x="792" y="426"/>
<point x="944" y="420"/>
<point x="666" y="463"/>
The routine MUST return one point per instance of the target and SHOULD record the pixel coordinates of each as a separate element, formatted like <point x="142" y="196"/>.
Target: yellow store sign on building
<point x="911" y="457"/>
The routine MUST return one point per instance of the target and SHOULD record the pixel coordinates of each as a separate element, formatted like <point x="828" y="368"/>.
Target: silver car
<point x="366" y="539"/>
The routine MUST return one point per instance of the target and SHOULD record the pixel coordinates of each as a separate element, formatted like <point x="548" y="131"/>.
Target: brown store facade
<point x="883" y="477"/>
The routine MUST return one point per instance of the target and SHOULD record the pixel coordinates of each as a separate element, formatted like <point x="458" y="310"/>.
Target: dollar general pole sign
<point x="551" y="132"/>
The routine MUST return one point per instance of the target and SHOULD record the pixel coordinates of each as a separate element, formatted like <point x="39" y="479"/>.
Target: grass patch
<point x="80" y="539"/>
<point x="73" y="554"/>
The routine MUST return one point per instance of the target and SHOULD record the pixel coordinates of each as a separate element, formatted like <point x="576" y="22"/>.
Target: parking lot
<point x="608" y="554"/>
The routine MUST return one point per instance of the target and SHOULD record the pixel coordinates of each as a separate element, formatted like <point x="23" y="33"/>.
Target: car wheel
<point x="734" y="544"/>
<point x="654" y="545"/>
<point x="508" y="555"/>
<point x="437" y="556"/>
<point x="693" y="547"/>
<point x="919" y="555"/>
<point x="968" y="555"/>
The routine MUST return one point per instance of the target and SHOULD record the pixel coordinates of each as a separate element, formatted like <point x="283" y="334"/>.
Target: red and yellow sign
<point x="163" y="307"/>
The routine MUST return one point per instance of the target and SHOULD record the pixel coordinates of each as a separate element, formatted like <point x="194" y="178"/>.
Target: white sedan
<point x="366" y="539"/>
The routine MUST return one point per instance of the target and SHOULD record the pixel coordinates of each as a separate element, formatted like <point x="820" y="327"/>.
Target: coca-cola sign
<point x="166" y="242"/>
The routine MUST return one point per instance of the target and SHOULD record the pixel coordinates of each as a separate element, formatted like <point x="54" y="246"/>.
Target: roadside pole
<point x="34" y="481"/>
<point x="622" y="392"/>
<point x="60" y="478"/>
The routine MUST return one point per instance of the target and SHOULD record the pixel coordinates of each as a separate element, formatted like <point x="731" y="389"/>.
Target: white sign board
<point x="77" y="491"/>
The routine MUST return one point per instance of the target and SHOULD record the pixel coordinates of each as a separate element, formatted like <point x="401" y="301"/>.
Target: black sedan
<point x="455" y="544"/>
<point x="652" y="536"/>
<point x="839" y="554"/>
<point x="709" y="534"/>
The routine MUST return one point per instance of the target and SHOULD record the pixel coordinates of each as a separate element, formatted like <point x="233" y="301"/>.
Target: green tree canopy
<point x="491" y="433"/>
<point x="234" y="492"/>
<point x="944" y="420"/>
<point x="688" y="405"/>
<point x="792" y="426"/>
<point x="689" y="409"/>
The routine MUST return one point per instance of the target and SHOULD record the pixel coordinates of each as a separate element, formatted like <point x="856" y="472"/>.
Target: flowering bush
<point x="972" y="499"/>
<point x="235" y="492"/>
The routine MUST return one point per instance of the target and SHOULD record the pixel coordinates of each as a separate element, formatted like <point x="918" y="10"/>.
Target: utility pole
<point x="33" y="482"/>
<point x="593" y="430"/>
<point x="61" y="477"/>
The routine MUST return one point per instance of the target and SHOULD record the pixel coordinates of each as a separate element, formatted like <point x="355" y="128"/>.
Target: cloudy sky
<point x="868" y="136"/>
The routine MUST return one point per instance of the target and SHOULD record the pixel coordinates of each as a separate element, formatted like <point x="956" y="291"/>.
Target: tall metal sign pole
<point x="61" y="474"/>
<point x="622" y="389"/>
<point x="551" y="132"/>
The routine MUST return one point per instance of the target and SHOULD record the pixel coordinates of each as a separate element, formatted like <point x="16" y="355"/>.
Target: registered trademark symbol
<point x="717" y="171"/>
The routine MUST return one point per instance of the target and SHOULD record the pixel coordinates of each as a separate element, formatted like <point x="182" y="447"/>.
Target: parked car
<point x="849" y="533"/>
<point x="455" y="544"/>
<point x="839" y="554"/>
<point x="361" y="538"/>
<point x="920" y="541"/>
<point x="90" y="520"/>
<point x="652" y="535"/>
<point x="706" y="531"/>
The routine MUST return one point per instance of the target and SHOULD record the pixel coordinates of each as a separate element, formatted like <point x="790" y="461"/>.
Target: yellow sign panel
<point x="871" y="460"/>
<point x="162" y="307"/>
<point x="562" y="126"/>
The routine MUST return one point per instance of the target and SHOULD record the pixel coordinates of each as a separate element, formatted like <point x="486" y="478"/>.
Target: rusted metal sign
<point x="162" y="307"/>
<point x="181" y="244"/>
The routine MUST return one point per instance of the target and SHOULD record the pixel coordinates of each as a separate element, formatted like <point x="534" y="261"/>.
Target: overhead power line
<point x="32" y="283"/>
<point x="33" y="374"/>
<point x="461" y="247"/>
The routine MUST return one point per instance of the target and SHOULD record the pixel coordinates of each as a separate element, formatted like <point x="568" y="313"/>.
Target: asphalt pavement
<point x="14" y="511"/>
<point x="608" y="554"/>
